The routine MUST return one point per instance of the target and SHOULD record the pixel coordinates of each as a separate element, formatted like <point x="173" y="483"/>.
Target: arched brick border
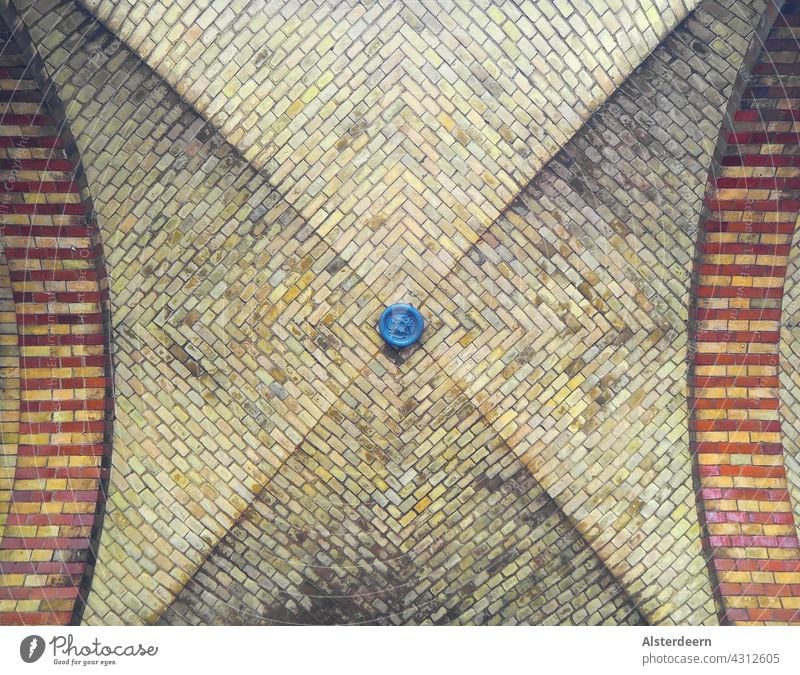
<point x="753" y="202"/>
<point x="60" y="294"/>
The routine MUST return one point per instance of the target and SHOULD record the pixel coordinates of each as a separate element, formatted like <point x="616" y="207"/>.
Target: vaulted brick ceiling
<point x="273" y="461"/>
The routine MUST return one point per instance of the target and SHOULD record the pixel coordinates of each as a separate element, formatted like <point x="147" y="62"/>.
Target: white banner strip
<point x="410" y="651"/>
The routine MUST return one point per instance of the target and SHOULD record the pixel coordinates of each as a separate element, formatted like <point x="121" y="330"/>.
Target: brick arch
<point x="753" y="203"/>
<point x="56" y="279"/>
<point x="9" y="390"/>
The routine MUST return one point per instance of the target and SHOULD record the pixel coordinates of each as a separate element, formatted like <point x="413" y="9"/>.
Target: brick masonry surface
<point x="789" y="375"/>
<point x="9" y="385"/>
<point x="561" y="442"/>
<point x="528" y="462"/>
<point x="749" y="526"/>
<point x="55" y="370"/>
<point x="438" y="111"/>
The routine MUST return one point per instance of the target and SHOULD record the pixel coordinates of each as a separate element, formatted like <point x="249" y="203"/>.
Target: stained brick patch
<point x="56" y="397"/>
<point x="753" y="201"/>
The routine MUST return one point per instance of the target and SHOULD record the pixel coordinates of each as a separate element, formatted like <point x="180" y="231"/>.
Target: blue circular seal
<point x="401" y="325"/>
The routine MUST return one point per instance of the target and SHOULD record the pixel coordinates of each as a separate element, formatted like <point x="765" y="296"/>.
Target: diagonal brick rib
<point x="587" y="124"/>
<point x="398" y="586"/>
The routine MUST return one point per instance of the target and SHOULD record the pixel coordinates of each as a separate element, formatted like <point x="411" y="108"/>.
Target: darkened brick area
<point x="313" y="552"/>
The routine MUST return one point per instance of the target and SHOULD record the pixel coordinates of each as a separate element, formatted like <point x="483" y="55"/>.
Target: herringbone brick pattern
<point x="529" y="461"/>
<point x="431" y="113"/>
<point x="336" y="539"/>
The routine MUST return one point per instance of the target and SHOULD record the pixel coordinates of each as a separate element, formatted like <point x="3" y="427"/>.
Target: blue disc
<point x="401" y="325"/>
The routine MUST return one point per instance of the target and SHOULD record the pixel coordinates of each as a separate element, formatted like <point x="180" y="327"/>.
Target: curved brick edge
<point x="752" y="202"/>
<point x="9" y="390"/>
<point x="60" y="291"/>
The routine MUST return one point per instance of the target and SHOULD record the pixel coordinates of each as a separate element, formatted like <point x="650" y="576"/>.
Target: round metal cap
<point x="401" y="325"/>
